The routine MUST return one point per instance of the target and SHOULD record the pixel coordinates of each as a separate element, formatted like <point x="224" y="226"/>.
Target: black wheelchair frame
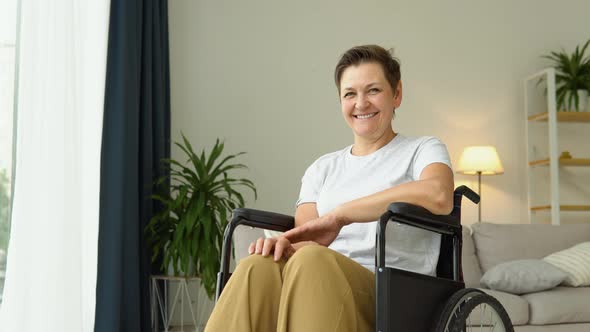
<point x="405" y="301"/>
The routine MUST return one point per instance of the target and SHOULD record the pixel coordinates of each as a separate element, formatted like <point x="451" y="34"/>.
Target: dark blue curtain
<point x="136" y="136"/>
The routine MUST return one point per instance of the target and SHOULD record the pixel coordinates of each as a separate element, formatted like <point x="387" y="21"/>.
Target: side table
<point x="160" y="307"/>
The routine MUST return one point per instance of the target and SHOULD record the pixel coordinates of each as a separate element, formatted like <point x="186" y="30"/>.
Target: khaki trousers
<point x="317" y="289"/>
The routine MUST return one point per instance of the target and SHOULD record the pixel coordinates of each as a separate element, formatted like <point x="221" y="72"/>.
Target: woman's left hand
<point x="322" y="230"/>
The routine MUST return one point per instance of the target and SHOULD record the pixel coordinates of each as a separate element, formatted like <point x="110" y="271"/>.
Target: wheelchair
<point x="406" y="301"/>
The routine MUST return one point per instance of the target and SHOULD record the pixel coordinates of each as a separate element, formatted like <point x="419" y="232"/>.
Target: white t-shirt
<point x="340" y="177"/>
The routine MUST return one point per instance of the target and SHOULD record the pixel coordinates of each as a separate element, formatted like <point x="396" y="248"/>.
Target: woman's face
<point x="368" y="101"/>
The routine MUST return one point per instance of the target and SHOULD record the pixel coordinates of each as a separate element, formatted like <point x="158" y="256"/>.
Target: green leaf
<point x="194" y="210"/>
<point x="215" y="153"/>
<point x="195" y="243"/>
<point x="217" y="170"/>
<point x="182" y="169"/>
<point x="206" y="221"/>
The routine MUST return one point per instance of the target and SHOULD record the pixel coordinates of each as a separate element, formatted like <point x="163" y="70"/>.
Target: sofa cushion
<point x="498" y="243"/>
<point x="575" y="261"/>
<point x="469" y="263"/>
<point x="559" y="305"/>
<point x="516" y="307"/>
<point x="523" y="276"/>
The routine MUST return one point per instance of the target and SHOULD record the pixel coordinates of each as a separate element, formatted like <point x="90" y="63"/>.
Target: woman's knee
<point x="257" y="263"/>
<point x="316" y="255"/>
<point x="256" y="260"/>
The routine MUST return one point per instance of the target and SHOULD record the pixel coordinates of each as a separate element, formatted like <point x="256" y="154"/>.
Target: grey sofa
<point x="558" y="309"/>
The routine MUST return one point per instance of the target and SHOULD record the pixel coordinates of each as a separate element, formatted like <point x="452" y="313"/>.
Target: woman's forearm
<point x="433" y="194"/>
<point x="426" y="193"/>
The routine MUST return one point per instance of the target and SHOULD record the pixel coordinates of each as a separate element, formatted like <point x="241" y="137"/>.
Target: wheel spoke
<point x="466" y="309"/>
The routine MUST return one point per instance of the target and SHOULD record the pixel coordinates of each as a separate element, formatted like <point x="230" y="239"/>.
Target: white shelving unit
<point x="534" y="114"/>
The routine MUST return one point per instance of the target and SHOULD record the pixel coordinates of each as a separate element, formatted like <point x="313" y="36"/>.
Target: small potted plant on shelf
<point x="187" y="233"/>
<point x="572" y="78"/>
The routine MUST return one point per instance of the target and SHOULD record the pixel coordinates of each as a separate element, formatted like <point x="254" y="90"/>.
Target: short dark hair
<point x="370" y="53"/>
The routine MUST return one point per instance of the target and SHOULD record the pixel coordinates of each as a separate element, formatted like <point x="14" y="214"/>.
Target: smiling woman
<point x="368" y="105"/>
<point x="305" y="279"/>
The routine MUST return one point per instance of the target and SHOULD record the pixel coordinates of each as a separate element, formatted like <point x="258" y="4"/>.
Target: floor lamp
<point x="480" y="160"/>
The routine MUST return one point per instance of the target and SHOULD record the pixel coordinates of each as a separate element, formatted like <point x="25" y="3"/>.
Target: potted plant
<point x="188" y="232"/>
<point x="572" y="78"/>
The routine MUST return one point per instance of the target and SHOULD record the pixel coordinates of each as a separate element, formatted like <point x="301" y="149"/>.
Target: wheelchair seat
<point x="406" y="301"/>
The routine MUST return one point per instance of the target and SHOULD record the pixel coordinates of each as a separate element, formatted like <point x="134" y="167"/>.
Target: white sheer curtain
<point x="51" y="268"/>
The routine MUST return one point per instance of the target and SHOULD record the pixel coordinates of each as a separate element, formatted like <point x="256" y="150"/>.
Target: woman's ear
<point x="397" y="97"/>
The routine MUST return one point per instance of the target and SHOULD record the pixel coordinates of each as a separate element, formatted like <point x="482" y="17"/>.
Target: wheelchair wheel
<point x="473" y="310"/>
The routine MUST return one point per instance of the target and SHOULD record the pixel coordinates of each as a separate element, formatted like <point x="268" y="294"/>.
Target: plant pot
<point x="582" y="100"/>
<point x="191" y="270"/>
<point x="582" y="105"/>
<point x="569" y="104"/>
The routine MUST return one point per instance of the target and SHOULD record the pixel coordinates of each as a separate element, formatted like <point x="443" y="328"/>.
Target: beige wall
<point x="259" y="75"/>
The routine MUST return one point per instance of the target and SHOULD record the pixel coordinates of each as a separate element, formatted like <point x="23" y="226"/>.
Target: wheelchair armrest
<point x="263" y="219"/>
<point x="417" y="216"/>
<point x="249" y="217"/>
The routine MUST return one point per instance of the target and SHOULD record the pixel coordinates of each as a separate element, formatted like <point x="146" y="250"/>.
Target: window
<point x="8" y="19"/>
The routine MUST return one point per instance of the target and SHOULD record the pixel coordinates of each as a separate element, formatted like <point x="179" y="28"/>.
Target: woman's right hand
<point x="279" y="246"/>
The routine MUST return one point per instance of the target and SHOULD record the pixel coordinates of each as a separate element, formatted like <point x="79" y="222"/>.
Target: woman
<point x="320" y="276"/>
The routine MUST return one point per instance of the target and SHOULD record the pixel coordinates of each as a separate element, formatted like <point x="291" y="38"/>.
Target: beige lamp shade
<point x="484" y="159"/>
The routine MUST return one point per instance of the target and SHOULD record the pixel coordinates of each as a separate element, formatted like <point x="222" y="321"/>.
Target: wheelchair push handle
<point x="465" y="191"/>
